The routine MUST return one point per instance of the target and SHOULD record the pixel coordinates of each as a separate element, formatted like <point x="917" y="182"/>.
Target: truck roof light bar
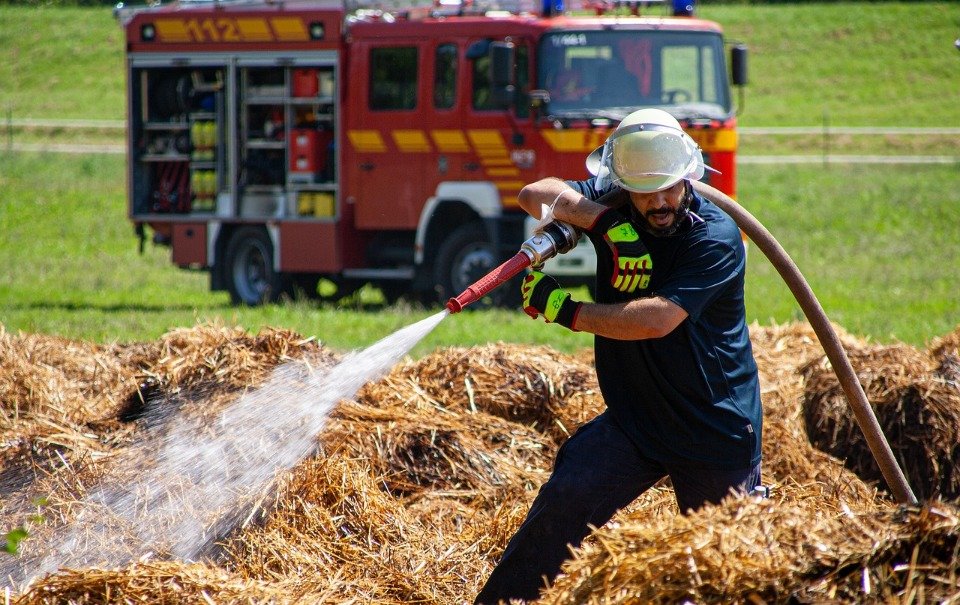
<point x="483" y="7"/>
<point x="680" y="8"/>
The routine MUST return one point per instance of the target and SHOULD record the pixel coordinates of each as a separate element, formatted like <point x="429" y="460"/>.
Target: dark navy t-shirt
<point x="692" y="396"/>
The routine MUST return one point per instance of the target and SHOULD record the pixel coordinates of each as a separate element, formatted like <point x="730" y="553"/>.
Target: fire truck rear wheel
<point x="251" y="278"/>
<point x="464" y="257"/>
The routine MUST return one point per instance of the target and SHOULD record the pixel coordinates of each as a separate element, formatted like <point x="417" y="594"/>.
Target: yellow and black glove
<point x="542" y="295"/>
<point x="632" y="265"/>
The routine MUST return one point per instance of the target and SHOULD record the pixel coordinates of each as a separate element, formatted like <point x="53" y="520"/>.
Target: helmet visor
<point x="649" y="157"/>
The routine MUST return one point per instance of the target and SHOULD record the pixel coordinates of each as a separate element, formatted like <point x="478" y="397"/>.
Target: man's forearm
<point x="633" y="320"/>
<point x="569" y="205"/>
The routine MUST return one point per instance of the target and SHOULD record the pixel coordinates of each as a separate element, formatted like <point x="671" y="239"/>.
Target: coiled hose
<point x="829" y="340"/>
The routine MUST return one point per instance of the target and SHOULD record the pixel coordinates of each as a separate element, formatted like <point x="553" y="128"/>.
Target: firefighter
<point x="567" y="87"/>
<point x="673" y="354"/>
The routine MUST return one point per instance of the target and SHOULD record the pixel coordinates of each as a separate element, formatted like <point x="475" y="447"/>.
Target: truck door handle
<point x="366" y="166"/>
<point x="471" y="166"/>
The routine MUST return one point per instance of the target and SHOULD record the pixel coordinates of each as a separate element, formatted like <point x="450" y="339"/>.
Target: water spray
<point x="554" y="238"/>
<point x="196" y="478"/>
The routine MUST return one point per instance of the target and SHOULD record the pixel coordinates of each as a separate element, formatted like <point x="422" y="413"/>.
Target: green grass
<point x="855" y="64"/>
<point x="878" y="245"/>
<point x="72" y="268"/>
<point x="61" y="63"/>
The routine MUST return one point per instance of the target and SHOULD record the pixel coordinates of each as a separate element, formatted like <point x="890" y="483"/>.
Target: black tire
<point x="302" y="287"/>
<point x="251" y="278"/>
<point x="393" y="291"/>
<point x="464" y="257"/>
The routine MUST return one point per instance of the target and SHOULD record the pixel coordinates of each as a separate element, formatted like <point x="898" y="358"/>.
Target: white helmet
<point x="647" y="152"/>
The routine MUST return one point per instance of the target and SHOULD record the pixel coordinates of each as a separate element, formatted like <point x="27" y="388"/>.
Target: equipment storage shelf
<point x="175" y="138"/>
<point x="287" y="127"/>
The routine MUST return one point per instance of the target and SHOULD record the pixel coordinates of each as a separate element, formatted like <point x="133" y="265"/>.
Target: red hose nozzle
<point x="489" y="282"/>
<point x="556" y="237"/>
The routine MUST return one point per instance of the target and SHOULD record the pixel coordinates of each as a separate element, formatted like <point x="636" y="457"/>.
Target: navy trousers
<point x="597" y="472"/>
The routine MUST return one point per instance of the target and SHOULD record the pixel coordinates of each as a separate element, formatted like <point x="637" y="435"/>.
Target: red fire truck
<point x="282" y="144"/>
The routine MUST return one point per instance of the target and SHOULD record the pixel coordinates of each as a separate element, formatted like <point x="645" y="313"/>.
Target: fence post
<point x="826" y="138"/>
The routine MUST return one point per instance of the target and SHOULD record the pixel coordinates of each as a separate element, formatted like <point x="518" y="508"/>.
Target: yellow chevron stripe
<point x="172" y="30"/>
<point x="289" y="29"/>
<point x="367" y="141"/>
<point x="411" y="141"/>
<point x="715" y="140"/>
<point x="509" y="185"/>
<point x="487" y="142"/>
<point x="583" y="141"/>
<point x="450" y="141"/>
<point x="253" y="30"/>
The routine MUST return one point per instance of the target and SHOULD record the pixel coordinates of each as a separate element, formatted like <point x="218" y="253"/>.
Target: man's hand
<point x="542" y="295"/>
<point x="632" y="265"/>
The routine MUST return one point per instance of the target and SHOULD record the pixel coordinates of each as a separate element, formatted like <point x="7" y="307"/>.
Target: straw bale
<point x="743" y="550"/>
<point x="418" y="484"/>
<point x="532" y="385"/>
<point x="224" y="355"/>
<point x="155" y="582"/>
<point x="749" y="550"/>
<point x="917" y="409"/>
<point x="914" y="559"/>
<point x="472" y="455"/>
<point x="60" y="397"/>
<point x="946" y="345"/>
<point x="945" y="351"/>
<point x="61" y="378"/>
<point x="335" y="519"/>
<point x="789" y="459"/>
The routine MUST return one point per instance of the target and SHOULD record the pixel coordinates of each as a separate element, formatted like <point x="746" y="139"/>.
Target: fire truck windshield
<point x="610" y="73"/>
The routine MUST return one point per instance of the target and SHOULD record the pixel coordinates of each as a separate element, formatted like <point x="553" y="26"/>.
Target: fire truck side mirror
<point x="738" y="64"/>
<point x="501" y="74"/>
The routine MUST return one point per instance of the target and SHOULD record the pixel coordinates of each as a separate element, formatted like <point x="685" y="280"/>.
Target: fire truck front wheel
<point x="251" y="278"/>
<point x="466" y="256"/>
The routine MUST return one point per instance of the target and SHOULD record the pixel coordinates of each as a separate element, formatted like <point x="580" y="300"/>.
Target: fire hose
<point x="559" y="237"/>
<point x="829" y="340"/>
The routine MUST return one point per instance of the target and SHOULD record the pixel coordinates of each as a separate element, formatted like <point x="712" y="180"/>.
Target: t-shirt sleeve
<point x="586" y="188"/>
<point x="703" y="272"/>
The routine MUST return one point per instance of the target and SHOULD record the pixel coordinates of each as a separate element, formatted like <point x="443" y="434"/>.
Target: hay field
<point x="416" y="483"/>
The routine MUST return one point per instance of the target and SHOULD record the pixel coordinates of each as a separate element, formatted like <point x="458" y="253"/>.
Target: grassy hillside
<point x="61" y="63"/>
<point x="857" y="64"/>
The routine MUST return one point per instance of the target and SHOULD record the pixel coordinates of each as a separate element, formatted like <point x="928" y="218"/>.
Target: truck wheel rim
<point x="251" y="273"/>
<point x="471" y="265"/>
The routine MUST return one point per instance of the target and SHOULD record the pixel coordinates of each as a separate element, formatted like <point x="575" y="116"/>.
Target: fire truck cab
<point x="278" y="144"/>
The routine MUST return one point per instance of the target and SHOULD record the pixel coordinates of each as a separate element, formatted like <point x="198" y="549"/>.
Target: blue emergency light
<point x="552" y="7"/>
<point x="683" y="8"/>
